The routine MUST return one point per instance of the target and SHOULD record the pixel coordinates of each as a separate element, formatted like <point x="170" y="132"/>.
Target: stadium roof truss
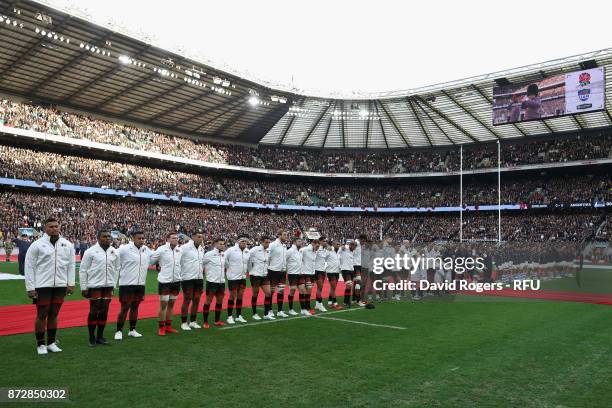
<point x="454" y="113"/>
<point x="77" y="64"/>
<point x="51" y="56"/>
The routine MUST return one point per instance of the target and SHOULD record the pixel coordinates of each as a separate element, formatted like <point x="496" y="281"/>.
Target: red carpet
<point x="20" y="318"/>
<point x="564" y="296"/>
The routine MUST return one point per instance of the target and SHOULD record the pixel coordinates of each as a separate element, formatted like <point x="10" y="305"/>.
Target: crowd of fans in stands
<point x="82" y="217"/>
<point x="54" y="121"/>
<point x="62" y="169"/>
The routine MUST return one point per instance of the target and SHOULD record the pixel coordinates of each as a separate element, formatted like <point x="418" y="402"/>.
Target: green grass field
<point x="487" y="352"/>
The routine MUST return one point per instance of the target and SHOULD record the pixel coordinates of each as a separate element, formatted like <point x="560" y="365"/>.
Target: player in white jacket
<point x="236" y="260"/>
<point x="192" y="279"/>
<point x="347" y="268"/>
<point x="98" y="276"/>
<point x="277" y="269"/>
<point x="258" y="275"/>
<point x="332" y="269"/>
<point x="214" y="265"/>
<point x="135" y="259"/>
<point x="169" y="280"/>
<point x="309" y="256"/>
<point x="294" y="273"/>
<point x="49" y="277"/>
<point x="320" y="275"/>
<point x="358" y="280"/>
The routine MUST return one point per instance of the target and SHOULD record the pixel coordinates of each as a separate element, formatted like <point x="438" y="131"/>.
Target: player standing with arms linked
<point x="135" y="258"/>
<point x="169" y="280"/>
<point x="98" y="276"/>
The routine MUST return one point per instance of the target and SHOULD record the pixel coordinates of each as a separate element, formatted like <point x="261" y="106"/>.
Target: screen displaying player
<point x="564" y="94"/>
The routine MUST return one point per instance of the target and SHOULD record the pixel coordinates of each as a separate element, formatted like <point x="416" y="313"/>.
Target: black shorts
<point x="308" y="278"/>
<point x="47" y="296"/>
<point x="259" y="280"/>
<point x="318" y="274"/>
<point x="192" y="286"/>
<point x="347" y="275"/>
<point x="100" y="293"/>
<point x="276" y="277"/>
<point x="236" y="284"/>
<point x="295" y="280"/>
<point x="131" y="293"/>
<point x="215" y="288"/>
<point x="169" y="288"/>
<point x="333" y="277"/>
<point x="357" y="269"/>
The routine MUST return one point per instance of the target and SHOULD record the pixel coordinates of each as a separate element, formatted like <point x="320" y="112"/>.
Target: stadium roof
<point x="52" y="56"/>
<point x="450" y="113"/>
<point x="49" y="55"/>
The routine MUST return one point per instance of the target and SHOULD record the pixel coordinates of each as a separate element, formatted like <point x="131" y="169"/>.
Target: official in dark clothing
<point x="22" y="244"/>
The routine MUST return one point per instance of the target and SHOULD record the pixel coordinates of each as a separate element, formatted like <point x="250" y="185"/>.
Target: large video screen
<point x="564" y="94"/>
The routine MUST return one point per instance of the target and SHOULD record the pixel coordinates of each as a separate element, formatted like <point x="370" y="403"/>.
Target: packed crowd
<point x="56" y="168"/>
<point x="52" y="120"/>
<point x="82" y="217"/>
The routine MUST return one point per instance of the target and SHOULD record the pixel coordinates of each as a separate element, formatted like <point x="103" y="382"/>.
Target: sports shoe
<point x="293" y="312"/>
<point x="92" y="343"/>
<point x="185" y="327"/>
<point x="118" y="335"/>
<point x="220" y="324"/>
<point x="320" y="307"/>
<point x="256" y="317"/>
<point x="241" y="319"/>
<point x="329" y="303"/>
<point x="311" y="312"/>
<point x="195" y="325"/>
<point x="282" y="314"/>
<point x="170" y="329"/>
<point x="416" y="297"/>
<point x="53" y="348"/>
<point x="230" y="320"/>
<point x="162" y="331"/>
<point x="134" y="333"/>
<point x="397" y="297"/>
<point x="42" y="349"/>
<point x="338" y="307"/>
<point x="362" y="303"/>
<point x="206" y="325"/>
<point x="270" y="316"/>
<point x="102" y="341"/>
<point x="304" y="312"/>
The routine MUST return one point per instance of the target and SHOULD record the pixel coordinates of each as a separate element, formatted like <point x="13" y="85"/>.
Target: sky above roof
<point x="333" y="48"/>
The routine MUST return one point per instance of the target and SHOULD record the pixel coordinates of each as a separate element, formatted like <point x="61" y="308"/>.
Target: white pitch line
<point x="280" y="319"/>
<point x="358" y="322"/>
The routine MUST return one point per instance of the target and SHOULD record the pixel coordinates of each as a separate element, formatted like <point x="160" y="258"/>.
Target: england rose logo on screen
<point x="584" y="79"/>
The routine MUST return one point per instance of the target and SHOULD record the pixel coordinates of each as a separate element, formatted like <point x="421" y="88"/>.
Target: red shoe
<point x="311" y="311"/>
<point x="338" y="307"/>
<point x="162" y="331"/>
<point x="219" y="324"/>
<point x="169" y="329"/>
<point x="206" y="325"/>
